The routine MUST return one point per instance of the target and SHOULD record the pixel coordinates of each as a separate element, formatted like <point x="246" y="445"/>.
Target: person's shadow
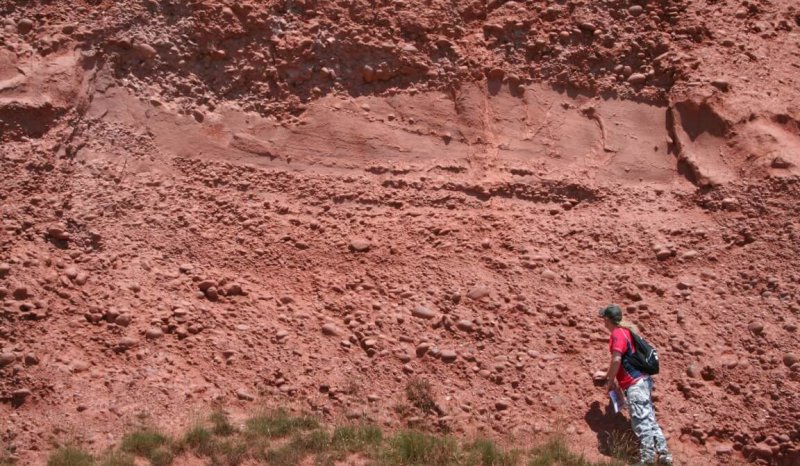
<point x="613" y="430"/>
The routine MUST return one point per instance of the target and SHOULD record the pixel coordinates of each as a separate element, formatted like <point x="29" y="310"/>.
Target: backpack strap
<point x="630" y="344"/>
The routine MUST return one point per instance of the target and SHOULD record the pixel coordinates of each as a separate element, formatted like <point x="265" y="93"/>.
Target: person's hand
<point x="611" y="384"/>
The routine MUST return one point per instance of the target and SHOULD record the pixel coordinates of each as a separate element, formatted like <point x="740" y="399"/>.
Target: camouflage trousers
<point x="643" y="421"/>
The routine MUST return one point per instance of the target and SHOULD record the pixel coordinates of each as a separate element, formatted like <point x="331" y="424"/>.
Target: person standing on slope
<point x="637" y="387"/>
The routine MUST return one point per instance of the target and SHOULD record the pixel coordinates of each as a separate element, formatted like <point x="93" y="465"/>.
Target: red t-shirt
<point x="622" y="342"/>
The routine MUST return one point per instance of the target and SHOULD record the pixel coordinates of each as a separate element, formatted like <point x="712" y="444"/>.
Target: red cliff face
<point x="310" y="203"/>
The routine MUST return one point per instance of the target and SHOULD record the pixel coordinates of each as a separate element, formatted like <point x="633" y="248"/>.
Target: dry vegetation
<point x="276" y="437"/>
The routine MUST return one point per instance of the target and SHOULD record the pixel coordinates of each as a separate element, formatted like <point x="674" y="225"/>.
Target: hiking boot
<point x="665" y="460"/>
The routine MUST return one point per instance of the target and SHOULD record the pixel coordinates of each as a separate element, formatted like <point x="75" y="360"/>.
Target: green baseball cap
<point x="611" y="312"/>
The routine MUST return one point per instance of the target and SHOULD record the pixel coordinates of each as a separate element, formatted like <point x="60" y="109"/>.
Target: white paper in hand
<point x="614" y="400"/>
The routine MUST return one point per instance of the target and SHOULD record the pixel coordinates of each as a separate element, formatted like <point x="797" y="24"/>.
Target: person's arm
<point x="613" y="368"/>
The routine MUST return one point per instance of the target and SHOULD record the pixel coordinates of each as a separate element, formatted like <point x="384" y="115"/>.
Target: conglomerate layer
<point x="310" y="203"/>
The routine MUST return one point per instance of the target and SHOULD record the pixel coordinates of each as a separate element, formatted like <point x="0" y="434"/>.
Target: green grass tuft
<point x="149" y="444"/>
<point x="556" y="452"/>
<point x="315" y="441"/>
<point x="230" y="453"/>
<point x="144" y="442"/>
<point x="420" y="394"/>
<point x="623" y="446"/>
<point x="284" y="456"/>
<point x="221" y="452"/>
<point x="200" y="440"/>
<point x="278" y="424"/>
<point x="356" y="438"/>
<point x="298" y="448"/>
<point x="70" y="456"/>
<point x="221" y="424"/>
<point x="416" y="448"/>
<point x="486" y="453"/>
<point x="161" y="457"/>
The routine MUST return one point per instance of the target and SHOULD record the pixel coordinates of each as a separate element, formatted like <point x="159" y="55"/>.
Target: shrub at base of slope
<point x="279" y="438"/>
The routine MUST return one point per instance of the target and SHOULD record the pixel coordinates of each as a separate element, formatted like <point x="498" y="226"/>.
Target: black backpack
<point x="645" y="357"/>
